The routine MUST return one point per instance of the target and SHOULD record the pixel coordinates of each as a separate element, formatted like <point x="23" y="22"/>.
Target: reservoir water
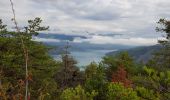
<point x="86" y="57"/>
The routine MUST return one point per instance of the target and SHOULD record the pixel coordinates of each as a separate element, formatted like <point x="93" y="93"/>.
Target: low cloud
<point x="122" y="41"/>
<point x="45" y="39"/>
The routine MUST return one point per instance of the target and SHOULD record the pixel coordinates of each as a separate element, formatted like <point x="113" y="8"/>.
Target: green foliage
<point x="117" y="91"/>
<point x="96" y="80"/>
<point x="164" y="27"/>
<point x="122" y="58"/>
<point x="68" y="74"/>
<point x="91" y="70"/>
<point x="33" y="27"/>
<point x="3" y="28"/>
<point x="111" y="63"/>
<point x="162" y="57"/>
<point x="12" y="59"/>
<point x="11" y="92"/>
<point x="157" y="82"/>
<point x="146" y="94"/>
<point x="48" y="90"/>
<point x="51" y="80"/>
<point x="77" y="94"/>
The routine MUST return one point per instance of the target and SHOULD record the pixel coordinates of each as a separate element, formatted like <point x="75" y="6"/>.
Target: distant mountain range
<point x="85" y="47"/>
<point x="83" y="52"/>
<point x="143" y="53"/>
<point x="60" y="36"/>
<point x="77" y="46"/>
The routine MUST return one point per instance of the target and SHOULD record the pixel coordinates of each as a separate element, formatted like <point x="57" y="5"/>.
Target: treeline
<point x="114" y="78"/>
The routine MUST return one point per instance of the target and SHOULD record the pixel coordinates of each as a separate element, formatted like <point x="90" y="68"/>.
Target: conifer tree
<point x="162" y="57"/>
<point x="120" y="76"/>
<point x="69" y="74"/>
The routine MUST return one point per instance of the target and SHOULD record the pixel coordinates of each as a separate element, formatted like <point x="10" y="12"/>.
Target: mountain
<point x="76" y="46"/>
<point x="60" y="36"/>
<point x="85" y="47"/>
<point x="84" y="52"/>
<point x="143" y="53"/>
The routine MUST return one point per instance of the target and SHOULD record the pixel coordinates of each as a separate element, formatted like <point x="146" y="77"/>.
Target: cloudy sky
<point x="130" y="22"/>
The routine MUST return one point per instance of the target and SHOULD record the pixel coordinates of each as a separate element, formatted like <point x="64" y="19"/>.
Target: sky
<point x="128" y="22"/>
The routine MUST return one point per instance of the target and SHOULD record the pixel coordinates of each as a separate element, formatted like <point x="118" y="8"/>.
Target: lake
<point x="86" y="57"/>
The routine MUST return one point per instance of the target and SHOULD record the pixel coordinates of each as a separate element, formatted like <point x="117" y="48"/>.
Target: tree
<point x="158" y="82"/>
<point x="33" y="28"/>
<point x="111" y="64"/>
<point x="117" y="91"/>
<point x="3" y="28"/>
<point x="96" y="80"/>
<point x="146" y="94"/>
<point x="162" y="57"/>
<point x="120" y="76"/>
<point x="69" y="74"/>
<point x="155" y="81"/>
<point x="12" y="62"/>
<point x="91" y="70"/>
<point x="77" y="93"/>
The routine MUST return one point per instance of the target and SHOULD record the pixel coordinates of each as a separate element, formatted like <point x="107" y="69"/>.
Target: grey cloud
<point x="128" y="17"/>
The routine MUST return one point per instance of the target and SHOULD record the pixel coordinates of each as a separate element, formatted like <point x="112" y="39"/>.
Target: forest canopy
<point x="114" y="78"/>
<point x="29" y="72"/>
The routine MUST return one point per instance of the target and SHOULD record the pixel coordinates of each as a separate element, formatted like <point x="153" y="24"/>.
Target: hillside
<point x="143" y="53"/>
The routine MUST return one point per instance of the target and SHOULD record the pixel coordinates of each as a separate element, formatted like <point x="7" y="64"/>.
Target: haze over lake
<point x="81" y="47"/>
<point x="86" y="57"/>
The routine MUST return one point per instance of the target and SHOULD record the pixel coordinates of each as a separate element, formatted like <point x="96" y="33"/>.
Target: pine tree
<point x="69" y="74"/>
<point x="120" y="76"/>
<point x="162" y="57"/>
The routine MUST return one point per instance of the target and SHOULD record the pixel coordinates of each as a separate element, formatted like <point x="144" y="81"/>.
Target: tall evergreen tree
<point x="162" y="57"/>
<point x="69" y="74"/>
<point x="12" y="60"/>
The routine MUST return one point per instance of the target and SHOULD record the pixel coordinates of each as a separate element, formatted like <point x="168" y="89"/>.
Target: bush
<point x="117" y="91"/>
<point x="77" y="93"/>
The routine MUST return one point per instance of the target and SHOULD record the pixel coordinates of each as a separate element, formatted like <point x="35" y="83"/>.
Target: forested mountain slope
<point x="143" y="53"/>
